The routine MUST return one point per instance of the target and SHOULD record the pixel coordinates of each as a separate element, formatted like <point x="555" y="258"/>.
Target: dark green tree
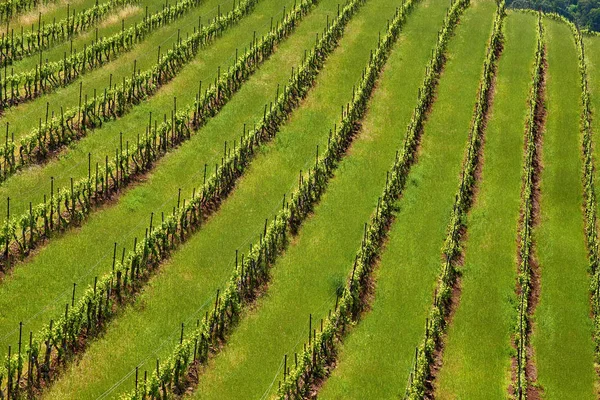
<point x="586" y="13"/>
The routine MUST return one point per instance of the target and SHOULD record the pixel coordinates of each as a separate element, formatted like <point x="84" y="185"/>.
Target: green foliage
<point x="10" y="8"/>
<point x="321" y="349"/>
<point x="101" y="301"/>
<point x="521" y="336"/>
<point x="46" y="77"/>
<point x="23" y="232"/>
<point x="589" y="191"/>
<point x="16" y="46"/>
<point x="585" y="13"/>
<point x="436" y="321"/>
<point x="252" y="273"/>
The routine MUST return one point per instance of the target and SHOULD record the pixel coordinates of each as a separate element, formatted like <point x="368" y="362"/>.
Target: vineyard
<point x="292" y="199"/>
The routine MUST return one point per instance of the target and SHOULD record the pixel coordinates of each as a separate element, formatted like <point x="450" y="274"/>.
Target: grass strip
<point x="101" y="301"/>
<point x="253" y="274"/>
<point x="444" y="297"/>
<point x="477" y="354"/>
<point x="27" y="43"/>
<point x="11" y="8"/>
<point x="321" y="349"/>
<point x="28" y="230"/>
<point x="378" y="352"/>
<point x="16" y="88"/>
<point x="563" y="335"/>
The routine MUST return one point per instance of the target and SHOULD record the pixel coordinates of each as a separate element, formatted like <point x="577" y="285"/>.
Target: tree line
<point x="584" y="13"/>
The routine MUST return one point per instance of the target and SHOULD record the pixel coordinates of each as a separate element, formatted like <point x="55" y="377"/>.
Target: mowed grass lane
<point x="32" y="183"/>
<point x="477" y="355"/>
<point x="186" y="286"/>
<point x="109" y="25"/>
<point x="377" y="355"/>
<point x="49" y="11"/>
<point x="306" y="279"/>
<point x="24" y="117"/>
<point x="35" y="291"/>
<point x="592" y="53"/>
<point x="58" y="10"/>
<point x="562" y="333"/>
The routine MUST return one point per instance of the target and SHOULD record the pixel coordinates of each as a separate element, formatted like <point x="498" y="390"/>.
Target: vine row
<point x="54" y="343"/>
<point x="420" y="377"/>
<point x="16" y="88"/>
<point x="253" y="273"/>
<point x="589" y="186"/>
<point x="528" y="200"/>
<point x="15" y="47"/>
<point x="69" y="205"/>
<point x="116" y="101"/>
<point x="10" y="8"/>
<point x="588" y="176"/>
<point x="321" y="351"/>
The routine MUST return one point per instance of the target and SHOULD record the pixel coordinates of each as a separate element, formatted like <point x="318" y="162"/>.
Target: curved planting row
<point x="253" y="273"/>
<point x="46" y="77"/>
<point x="322" y="348"/>
<point x="589" y="188"/>
<point x="437" y="320"/>
<point x="115" y="101"/>
<point x="525" y="256"/>
<point x="10" y="8"/>
<point x="35" y="365"/>
<point x="16" y="46"/>
<point x="69" y="205"/>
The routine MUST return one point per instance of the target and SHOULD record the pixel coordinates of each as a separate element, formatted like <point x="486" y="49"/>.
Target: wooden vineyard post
<point x="7" y="232"/>
<point x="19" y="365"/>
<point x="31" y="224"/>
<point x="51" y="202"/>
<point x="9" y="376"/>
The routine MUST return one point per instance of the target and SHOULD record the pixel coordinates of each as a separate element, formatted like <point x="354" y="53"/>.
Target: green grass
<point x="50" y="11"/>
<point x="26" y="116"/>
<point x="32" y="183"/>
<point x="302" y="285"/>
<point x="476" y="361"/>
<point x="592" y="52"/>
<point x="562" y="336"/>
<point x="377" y="355"/>
<point x="108" y="26"/>
<point x="149" y="329"/>
<point x="87" y="251"/>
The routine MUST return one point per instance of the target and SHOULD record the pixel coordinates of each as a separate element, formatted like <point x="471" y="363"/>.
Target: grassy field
<point x="376" y="358"/>
<point x="476" y="361"/>
<point x="206" y="261"/>
<point x="58" y="11"/>
<point x="144" y="55"/>
<point x="49" y="12"/>
<point x="562" y="337"/>
<point x="110" y="25"/>
<point x="254" y="356"/>
<point x="592" y="47"/>
<point x="35" y="182"/>
<point x="127" y="217"/>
